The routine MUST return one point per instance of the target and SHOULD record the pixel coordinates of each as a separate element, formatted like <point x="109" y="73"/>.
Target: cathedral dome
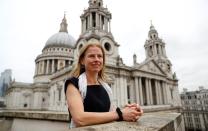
<point x="61" y="39"/>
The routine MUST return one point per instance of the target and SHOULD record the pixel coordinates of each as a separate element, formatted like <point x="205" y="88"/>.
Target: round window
<point x="107" y="46"/>
<point x="80" y="46"/>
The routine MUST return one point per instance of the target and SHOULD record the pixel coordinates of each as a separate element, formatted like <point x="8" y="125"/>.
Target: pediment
<point x="151" y="66"/>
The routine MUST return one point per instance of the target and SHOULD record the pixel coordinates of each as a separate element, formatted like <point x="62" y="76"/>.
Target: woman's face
<point x="93" y="59"/>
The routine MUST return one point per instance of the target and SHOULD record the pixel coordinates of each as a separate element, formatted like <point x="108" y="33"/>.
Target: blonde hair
<point x="76" y="71"/>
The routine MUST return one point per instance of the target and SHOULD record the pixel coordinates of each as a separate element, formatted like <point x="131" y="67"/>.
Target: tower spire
<point x="63" y="25"/>
<point x="152" y="32"/>
<point x="155" y="49"/>
<point x="151" y="26"/>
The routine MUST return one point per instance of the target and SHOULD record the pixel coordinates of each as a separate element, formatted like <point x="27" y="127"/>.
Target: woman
<point x="88" y="96"/>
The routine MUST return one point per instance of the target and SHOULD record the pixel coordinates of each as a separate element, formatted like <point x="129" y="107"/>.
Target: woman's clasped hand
<point x="132" y="112"/>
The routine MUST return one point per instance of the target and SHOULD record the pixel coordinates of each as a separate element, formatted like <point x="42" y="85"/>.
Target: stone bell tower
<point x="155" y="49"/>
<point x="96" y="26"/>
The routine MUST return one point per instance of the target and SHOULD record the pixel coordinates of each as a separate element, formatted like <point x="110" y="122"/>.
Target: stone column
<point x="147" y="91"/>
<point x="125" y="91"/>
<point x="122" y="91"/>
<point x="137" y="89"/>
<point x="118" y="88"/>
<point x="155" y="49"/>
<point x="160" y="49"/>
<point x="163" y="48"/>
<point x="90" y="20"/>
<point x="85" y="27"/>
<point x="150" y="92"/>
<point x="97" y="20"/>
<point x="140" y="91"/>
<point x="43" y="67"/>
<point x="106" y="24"/>
<point x="47" y="67"/>
<point x="82" y="25"/>
<point x="36" y="68"/>
<point x="164" y="92"/>
<point x="109" y="25"/>
<point x="168" y="93"/>
<point x="157" y="92"/>
<point x="160" y="92"/>
<point x="100" y="23"/>
<point x="39" y="67"/>
<point x="53" y="66"/>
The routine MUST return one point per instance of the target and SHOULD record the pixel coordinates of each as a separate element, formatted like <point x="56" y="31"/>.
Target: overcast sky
<point x="26" y="25"/>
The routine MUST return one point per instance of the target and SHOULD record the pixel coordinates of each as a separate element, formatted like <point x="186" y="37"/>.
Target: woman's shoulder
<point x="71" y="80"/>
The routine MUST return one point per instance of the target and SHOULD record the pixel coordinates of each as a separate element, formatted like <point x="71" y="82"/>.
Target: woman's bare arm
<point x="82" y="118"/>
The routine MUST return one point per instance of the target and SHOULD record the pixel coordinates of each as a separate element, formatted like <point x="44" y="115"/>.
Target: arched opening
<point x="93" y="19"/>
<point x="80" y="46"/>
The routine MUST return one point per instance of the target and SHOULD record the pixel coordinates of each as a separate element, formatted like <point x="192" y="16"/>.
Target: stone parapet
<point x="64" y="116"/>
<point x="153" y="121"/>
<point x="149" y="122"/>
<point x="41" y="115"/>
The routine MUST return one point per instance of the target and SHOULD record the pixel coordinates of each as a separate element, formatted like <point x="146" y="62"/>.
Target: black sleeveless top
<point x="96" y="100"/>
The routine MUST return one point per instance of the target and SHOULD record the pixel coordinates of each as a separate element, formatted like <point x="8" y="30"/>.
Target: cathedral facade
<point x="149" y="83"/>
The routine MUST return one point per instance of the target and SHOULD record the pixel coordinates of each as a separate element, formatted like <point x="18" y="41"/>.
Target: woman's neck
<point x="92" y="78"/>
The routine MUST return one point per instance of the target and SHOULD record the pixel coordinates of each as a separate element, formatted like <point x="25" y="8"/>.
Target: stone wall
<point x="58" y="121"/>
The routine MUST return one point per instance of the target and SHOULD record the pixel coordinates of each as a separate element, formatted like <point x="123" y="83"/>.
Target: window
<point x="107" y="46"/>
<point x="25" y="105"/>
<point x="80" y="46"/>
